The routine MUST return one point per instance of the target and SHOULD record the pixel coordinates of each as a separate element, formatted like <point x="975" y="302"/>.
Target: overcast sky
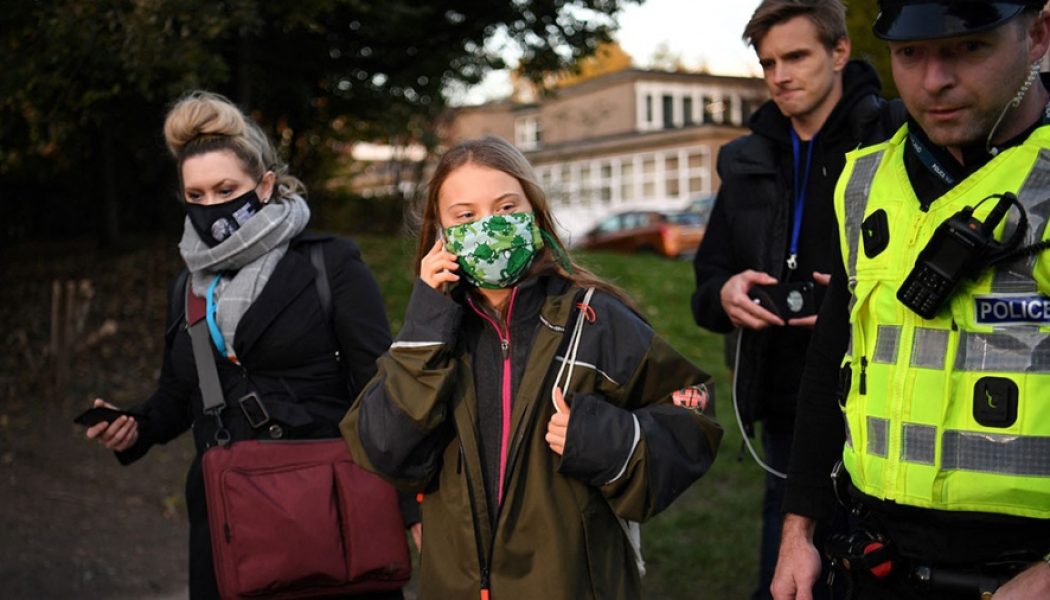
<point x="698" y="32"/>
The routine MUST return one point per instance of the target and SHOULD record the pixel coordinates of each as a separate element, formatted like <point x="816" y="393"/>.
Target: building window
<point x="687" y="110"/>
<point x="748" y="106"/>
<point x="648" y="177"/>
<point x="648" y="108"/>
<point x="627" y="180"/>
<point x="527" y="133"/>
<point x="605" y="182"/>
<point x="585" y="197"/>
<point x="671" y="186"/>
<point x="698" y="172"/>
<point x="668" y="110"/>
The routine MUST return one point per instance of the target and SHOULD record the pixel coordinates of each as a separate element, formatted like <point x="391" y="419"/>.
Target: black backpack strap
<point x="324" y="292"/>
<point x="177" y="308"/>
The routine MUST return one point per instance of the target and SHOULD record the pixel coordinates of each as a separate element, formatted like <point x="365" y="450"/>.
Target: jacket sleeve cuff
<point x="814" y="501"/>
<point x="144" y="441"/>
<point x="410" y="512"/>
<point x="600" y="441"/>
<point x="431" y="317"/>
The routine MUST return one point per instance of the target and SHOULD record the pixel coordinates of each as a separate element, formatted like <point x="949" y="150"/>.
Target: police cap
<point x="903" y="20"/>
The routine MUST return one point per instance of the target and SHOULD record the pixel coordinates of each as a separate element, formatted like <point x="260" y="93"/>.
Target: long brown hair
<point x="497" y="153"/>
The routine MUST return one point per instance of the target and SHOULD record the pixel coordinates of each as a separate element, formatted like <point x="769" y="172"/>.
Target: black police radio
<point x="960" y="246"/>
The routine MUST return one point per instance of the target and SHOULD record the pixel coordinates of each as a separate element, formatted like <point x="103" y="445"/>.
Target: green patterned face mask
<point x="495" y="252"/>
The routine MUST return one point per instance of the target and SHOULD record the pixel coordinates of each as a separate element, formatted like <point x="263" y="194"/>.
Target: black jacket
<point x="750" y="228"/>
<point x="288" y="355"/>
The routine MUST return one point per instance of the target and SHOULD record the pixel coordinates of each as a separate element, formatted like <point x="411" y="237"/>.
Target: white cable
<point x="1013" y="103"/>
<point x="740" y="421"/>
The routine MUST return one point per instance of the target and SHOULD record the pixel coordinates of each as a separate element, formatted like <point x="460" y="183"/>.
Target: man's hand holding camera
<point x="811" y="320"/>
<point x="747" y="312"/>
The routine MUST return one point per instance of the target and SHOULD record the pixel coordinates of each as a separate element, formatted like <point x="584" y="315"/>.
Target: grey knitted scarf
<point x="246" y="259"/>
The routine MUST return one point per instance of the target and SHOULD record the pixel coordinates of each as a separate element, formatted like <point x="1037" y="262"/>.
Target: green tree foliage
<point x="859" y="17"/>
<point x="86" y="84"/>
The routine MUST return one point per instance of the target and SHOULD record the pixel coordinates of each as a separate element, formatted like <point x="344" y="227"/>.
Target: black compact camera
<point x="958" y="248"/>
<point x="786" y="300"/>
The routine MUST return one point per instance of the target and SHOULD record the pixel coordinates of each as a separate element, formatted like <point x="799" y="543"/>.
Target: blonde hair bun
<point x="201" y="114"/>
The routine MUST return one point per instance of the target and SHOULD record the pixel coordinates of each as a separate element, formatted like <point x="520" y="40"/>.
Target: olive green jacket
<point x="629" y="449"/>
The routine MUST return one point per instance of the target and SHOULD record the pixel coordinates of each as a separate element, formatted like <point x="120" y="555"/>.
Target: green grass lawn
<point x="706" y="544"/>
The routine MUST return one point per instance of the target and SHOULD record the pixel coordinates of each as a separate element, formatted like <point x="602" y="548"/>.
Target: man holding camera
<point x="761" y="266"/>
<point x="937" y="303"/>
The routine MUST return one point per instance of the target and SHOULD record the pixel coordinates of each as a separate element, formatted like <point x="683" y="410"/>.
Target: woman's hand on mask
<point x="438" y="266"/>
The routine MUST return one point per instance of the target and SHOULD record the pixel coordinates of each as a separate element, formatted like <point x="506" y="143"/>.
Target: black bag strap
<point x="177" y="304"/>
<point x="324" y="292"/>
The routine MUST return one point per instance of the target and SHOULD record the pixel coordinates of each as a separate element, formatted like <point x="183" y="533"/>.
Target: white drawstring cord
<point x="631" y="530"/>
<point x="572" y="349"/>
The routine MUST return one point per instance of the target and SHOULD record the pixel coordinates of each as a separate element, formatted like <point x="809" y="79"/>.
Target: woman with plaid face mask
<point x="521" y="495"/>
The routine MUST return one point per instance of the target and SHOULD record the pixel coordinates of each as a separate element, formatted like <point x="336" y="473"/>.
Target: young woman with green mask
<point x="521" y="495"/>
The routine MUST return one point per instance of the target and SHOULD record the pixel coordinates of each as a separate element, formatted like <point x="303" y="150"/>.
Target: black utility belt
<point x="869" y="555"/>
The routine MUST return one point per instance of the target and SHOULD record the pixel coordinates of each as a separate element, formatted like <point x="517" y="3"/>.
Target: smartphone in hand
<point x="444" y="246"/>
<point x="98" y="414"/>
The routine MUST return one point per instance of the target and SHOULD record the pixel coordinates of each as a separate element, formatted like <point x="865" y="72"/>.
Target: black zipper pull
<point x="485" y="583"/>
<point x="504" y="346"/>
<point x="863" y="375"/>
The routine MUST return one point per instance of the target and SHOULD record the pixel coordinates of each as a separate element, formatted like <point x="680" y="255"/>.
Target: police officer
<point x="931" y="341"/>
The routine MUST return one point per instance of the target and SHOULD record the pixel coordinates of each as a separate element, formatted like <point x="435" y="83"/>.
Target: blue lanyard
<point x="801" y="183"/>
<point x="209" y="315"/>
<point x="929" y="161"/>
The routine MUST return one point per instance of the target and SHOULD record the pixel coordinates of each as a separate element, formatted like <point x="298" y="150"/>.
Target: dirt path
<point x="73" y="522"/>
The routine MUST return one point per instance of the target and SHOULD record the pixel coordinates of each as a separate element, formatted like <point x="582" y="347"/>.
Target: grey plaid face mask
<point x="495" y="252"/>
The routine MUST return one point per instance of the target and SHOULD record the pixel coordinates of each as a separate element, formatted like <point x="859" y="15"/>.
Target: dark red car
<point x="674" y="234"/>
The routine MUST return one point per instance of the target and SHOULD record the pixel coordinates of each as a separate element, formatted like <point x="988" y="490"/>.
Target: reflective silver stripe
<point x="634" y="444"/>
<point x="995" y="453"/>
<point x="1016" y="350"/>
<point x="551" y="326"/>
<point x="878" y="436"/>
<point x="929" y="347"/>
<point x="886" y="340"/>
<point x="580" y="363"/>
<point x="856" y="198"/>
<point x="849" y="434"/>
<point x="414" y="344"/>
<point x="920" y="443"/>
<point x="1034" y="195"/>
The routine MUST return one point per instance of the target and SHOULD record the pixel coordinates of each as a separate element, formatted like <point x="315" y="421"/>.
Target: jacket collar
<point x="292" y="273"/>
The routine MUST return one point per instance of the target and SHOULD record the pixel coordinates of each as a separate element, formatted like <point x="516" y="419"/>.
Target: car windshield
<point x="684" y="218"/>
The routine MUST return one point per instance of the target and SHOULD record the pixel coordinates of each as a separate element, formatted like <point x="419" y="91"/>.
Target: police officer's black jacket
<point x="750" y="228"/>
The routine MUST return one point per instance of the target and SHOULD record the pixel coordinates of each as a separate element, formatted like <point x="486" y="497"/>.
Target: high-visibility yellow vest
<point x="950" y="413"/>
